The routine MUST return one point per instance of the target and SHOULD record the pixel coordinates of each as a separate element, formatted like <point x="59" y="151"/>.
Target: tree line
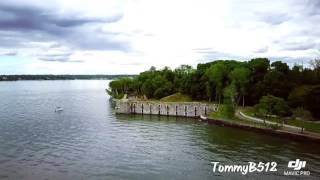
<point x="230" y="81"/>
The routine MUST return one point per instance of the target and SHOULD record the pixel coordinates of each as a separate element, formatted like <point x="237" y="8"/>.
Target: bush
<point x="260" y="110"/>
<point x="271" y="105"/>
<point x="227" y="110"/>
<point x="302" y="114"/>
<point x="160" y="92"/>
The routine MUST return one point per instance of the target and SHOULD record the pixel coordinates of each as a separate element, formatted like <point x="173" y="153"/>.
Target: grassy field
<point x="221" y="116"/>
<point x="177" y="97"/>
<point x="308" y="125"/>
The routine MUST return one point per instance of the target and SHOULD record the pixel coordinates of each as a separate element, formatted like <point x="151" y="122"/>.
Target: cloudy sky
<point x="129" y="36"/>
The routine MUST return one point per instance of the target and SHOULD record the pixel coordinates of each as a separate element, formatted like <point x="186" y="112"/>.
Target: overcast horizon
<point x="128" y="37"/>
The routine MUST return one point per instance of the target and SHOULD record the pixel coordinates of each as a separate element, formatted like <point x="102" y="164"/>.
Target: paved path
<point x="250" y="118"/>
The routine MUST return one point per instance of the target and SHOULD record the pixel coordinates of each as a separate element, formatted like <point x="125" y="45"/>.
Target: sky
<point x="130" y="36"/>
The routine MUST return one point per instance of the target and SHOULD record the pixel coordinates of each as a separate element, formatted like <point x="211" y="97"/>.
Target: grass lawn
<point x="308" y="125"/>
<point x="219" y="115"/>
<point x="177" y="97"/>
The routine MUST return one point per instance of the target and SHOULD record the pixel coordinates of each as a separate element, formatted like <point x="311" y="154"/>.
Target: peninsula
<point x="255" y="93"/>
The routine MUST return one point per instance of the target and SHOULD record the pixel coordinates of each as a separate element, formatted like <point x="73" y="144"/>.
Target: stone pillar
<point x="205" y="110"/>
<point x="185" y="110"/>
<point x="142" y="108"/>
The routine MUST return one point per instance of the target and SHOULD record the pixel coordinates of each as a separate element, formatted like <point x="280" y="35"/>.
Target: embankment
<point x="195" y="109"/>
<point x="186" y="109"/>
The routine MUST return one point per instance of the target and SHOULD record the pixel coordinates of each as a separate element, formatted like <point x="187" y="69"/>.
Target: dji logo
<point x="297" y="164"/>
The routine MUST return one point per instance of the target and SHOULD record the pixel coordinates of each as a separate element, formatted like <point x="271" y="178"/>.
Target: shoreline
<point x="259" y="129"/>
<point x="196" y="109"/>
<point x="281" y="133"/>
<point x="268" y="131"/>
<point x="228" y="123"/>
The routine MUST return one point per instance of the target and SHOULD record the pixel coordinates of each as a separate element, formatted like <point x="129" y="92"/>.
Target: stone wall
<point x="189" y="109"/>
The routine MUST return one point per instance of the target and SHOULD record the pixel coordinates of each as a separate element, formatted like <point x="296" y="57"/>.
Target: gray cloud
<point x="202" y="49"/>
<point x="15" y="17"/>
<point x="299" y="46"/>
<point x="55" y="45"/>
<point x="9" y="54"/>
<point x="273" y="18"/>
<point x="56" y="52"/>
<point x="313" y="7"/>
<point x="22" y="24"/>
<point x="211" y="54"/>
<point x="291" y="61"/>
<point x="262" y="50"/>
<point x="126" y="64"/>
<point x="43" y="27"/>
<point x="55" y="57"/>
<point x="62" y="60"/>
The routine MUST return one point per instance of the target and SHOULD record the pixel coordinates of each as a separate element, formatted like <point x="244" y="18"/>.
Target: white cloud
<point x="168" y="33"/>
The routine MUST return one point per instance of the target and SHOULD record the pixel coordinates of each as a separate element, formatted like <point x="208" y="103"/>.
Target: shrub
<point x="302" y="114"/>
<point x="271" y="105"/>
<point x="227" y="110"/>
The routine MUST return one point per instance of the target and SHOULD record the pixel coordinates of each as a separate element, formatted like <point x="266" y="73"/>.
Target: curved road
<point x="241" y="115"/>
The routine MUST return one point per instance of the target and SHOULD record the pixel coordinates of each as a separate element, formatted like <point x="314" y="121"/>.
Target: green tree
<point x="313" y="101"/>
<point x="240" y="76"/>
<point x="230" y="79"/>
<point x="230" y="93"/>
<point x="184" y="69"/>
<point x="276" y="83"/>
<point x="217" y="73"/>
<point x="280" y="66"/>
<point x="258" y="67"/>
<point x="120" y="87"/>
<point x="297" y="97"/>
<point x="271" y="105"/>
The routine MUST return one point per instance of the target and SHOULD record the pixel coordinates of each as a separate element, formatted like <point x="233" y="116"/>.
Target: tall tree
<point x="280" y="66"/>
<point x="217" y="73"/>
<point x="276" y="83"/>
<point x="259" y="67"/>
<point x="230" y="94"/>
<point x="240" y="76"/>
<point x="313" y="101"/>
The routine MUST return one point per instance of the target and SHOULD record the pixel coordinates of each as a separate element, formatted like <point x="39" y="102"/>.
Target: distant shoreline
<point x="61" y="77"/>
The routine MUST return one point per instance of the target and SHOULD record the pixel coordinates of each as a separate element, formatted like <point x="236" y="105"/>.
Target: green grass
<point x="308" y="125"/>
<point x="177" y="97"/>
<point x="221" y="116"/>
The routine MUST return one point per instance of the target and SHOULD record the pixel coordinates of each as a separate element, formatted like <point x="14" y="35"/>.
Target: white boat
<point x="203" y="117"/>
<point x="58" y="109"/>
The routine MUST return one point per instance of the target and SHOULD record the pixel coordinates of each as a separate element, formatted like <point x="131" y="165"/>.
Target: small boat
<point x="203" y="118"/>
<point x="58" y="109"/>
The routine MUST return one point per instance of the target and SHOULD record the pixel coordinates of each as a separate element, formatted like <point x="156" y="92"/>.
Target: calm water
<point x="88" y="141"/>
